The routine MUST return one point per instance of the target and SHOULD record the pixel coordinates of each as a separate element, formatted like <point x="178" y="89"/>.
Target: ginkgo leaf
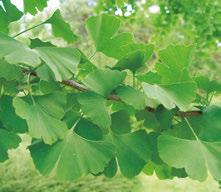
<point x="39" y="43"/>
<point x="176" y="55"/>
<point x="43" y="116"/>
<point x="131" y="97"/>
<point x="15" y="52"/>
<point x="135" y="59"/>
<point x="8" y="87"/>
<point x="132" y="152"/>
<point x="171" y="95"/>
<point x="8" y="140"/>
<point x="149" y="77"/>
<point x="208" y="85"/>
<point x="60" y="28"/>
<point x="8" y="13"/>
<point x="196" y="144"/>
<point x="111" y="170"/>
<point x="72" y="157"/>
<point x="9" y="71"/>
<point x="9" y="118"/>
<point x="173" y="90"/>
<point x="117" y="119"/>
<point x="95" y="109"/>
<point x="103" y="30"/>
<point x="33" y="6"/>
<point x="62" y="61"/>
<point x="104" y="81"/>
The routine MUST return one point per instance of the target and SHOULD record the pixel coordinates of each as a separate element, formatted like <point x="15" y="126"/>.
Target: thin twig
<point x="78" y="86"/>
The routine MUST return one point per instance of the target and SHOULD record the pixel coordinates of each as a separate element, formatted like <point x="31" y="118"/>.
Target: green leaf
<point x="103" y="30"/>
<point x="104" y="81"/>
<point x="10" y="72"/>
<point x="172" y="95"/>
<point x="8" y="87"/>
<point x="149" y="77"/>
<point x="43" y="116"/>
<point x="173" y="90"/>
<point x="62" y="61"/>
<point x="39" y="43"/>
<point x="176" y="56"/>
<point x="9" y="13"/>
<point x="111" y="170"/>
<point x="117" y="119"/>
<point x="33" y="6"/>
<point x="60" y="28"/>
<point x="132" y="152"/>
<point x="94" y="108"/>
<point x="135" y="60"/>
<point x="9" y="118"/>
<point x="208" y="85"/>
<point x="72" y="157"/>
<point x="15" y="52"/>
<point x="45" y="73"/>
<point x="8" y="140"/>
<point x="195" y="145"/>
<point x="85" y="67"/>
<point x="88" y="130"/>
<point x="132" y="97"/>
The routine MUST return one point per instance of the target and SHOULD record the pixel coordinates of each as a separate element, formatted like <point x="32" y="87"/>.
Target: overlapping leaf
<point x="103" y="30"/>
<point x="95" y="109"/>
<point x="104" y="81"/>
<point x="132" y="152"/>
<point x="131" y="97"/>
<point x="8" y="117"/>
<point x="10" y="72"/>
<point x="60" y="28"/>
<point x="62" y="61"/>
<point x="33" y="6"/>
<point x="176" y="87"/>
<point x="73" y="157"/>
<point x="43" y="116"/>
<point x="9" y="13"/>
<point x="195" y="145"/>
<point x="8" y="140"/>
<point x="15" y="52"/>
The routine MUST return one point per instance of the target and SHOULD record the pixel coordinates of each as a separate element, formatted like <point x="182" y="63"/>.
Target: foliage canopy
<point x="96" y="121"/>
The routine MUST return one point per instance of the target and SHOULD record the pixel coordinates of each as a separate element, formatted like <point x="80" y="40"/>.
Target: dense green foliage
<point x="86" y="119"/>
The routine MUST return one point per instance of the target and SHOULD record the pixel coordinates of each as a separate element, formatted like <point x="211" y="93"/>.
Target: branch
<point x="74" y="84"/>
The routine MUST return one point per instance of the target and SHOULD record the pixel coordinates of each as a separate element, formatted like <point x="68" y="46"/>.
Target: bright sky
<point x="52" y="4"/>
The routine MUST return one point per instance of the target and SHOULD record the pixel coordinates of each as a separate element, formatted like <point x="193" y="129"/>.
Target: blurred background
<point x="157" y="22"/>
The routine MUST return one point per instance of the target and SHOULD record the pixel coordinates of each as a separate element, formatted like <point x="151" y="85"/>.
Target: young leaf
<point x="196" y="144"/>
<point x="104" y="81"/>
<point x="60" y="28"/>
<point x="94" y="107"/>
<point x="62" y="61"/>
<point x="43" y="116"/>
<point x="15" y="52"/>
